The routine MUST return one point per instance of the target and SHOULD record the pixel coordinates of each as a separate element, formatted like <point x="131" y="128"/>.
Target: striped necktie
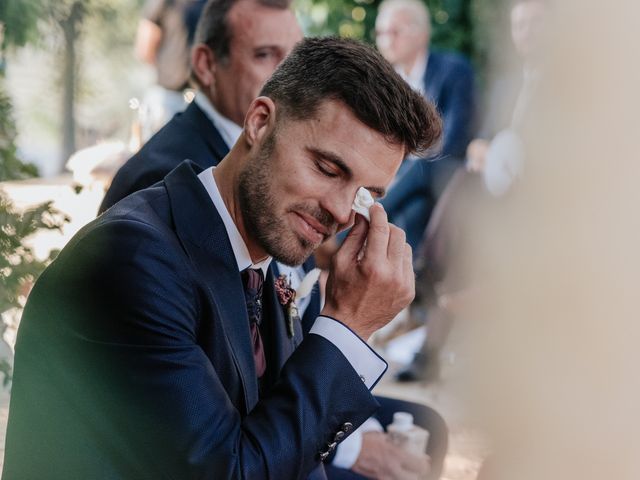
<point x="253" y="280"/>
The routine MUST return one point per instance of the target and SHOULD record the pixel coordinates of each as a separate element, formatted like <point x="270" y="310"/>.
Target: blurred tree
<point x="10" y="165"/>
<point x="19" y="267"/>
<point x="62" y="26"/>
<point x="20" y="19"/>
<point x="70" y="17"/>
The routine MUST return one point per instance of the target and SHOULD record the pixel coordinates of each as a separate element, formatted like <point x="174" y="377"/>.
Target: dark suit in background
<point x="134" y="358"/>
<point x="449" y="84"/>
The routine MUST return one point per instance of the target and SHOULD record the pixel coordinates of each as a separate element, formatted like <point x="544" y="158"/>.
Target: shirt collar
<point x="240" y="250"/>
<point x="415" y="78"/>
<point x="229" y="131"/>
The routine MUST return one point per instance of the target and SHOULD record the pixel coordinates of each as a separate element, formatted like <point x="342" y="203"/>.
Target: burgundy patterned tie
<point x="253" y="280"/>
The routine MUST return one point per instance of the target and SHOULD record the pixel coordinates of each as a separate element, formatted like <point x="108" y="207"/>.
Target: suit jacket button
<point x="331" y="447"/>
<point x="347" y="427"/>
<point x="323" y="456"/>
<point x="339" y="436"/>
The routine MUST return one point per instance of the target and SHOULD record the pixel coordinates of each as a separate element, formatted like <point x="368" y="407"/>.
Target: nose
<point x="338" y="203"/>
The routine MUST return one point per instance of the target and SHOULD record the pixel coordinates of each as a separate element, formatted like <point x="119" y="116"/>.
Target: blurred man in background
<point x="509" y="99"/>
<point x="498" y="156"/>
<point x="403" y="29"/>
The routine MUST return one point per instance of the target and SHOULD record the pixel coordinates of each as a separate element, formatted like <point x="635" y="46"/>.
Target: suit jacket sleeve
<point x="121" y="313"/>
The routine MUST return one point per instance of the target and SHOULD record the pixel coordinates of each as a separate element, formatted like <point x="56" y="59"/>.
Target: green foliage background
<point x="19" y="267"/>
<point x="473" y="27"/>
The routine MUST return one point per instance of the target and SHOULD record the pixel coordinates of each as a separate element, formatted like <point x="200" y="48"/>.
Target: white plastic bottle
<point x="406" y="435"/>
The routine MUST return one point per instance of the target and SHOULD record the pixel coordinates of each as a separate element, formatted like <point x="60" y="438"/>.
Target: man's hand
<point x="382" y="460"/>
<point x="477" y="155"/>
<point x="370" y="283"/>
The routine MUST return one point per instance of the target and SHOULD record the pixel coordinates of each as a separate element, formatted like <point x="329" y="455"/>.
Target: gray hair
<point x="418" y="9"/>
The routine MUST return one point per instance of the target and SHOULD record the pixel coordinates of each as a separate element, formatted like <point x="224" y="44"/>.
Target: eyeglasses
<point x="396" y="32"/>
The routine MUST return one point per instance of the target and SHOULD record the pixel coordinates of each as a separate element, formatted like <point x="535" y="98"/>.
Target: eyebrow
<point x="341" y="164"/>
<point x="267" y="47"/>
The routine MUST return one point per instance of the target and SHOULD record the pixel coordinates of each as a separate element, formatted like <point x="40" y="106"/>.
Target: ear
<point x="260" y="119"/>
<point x="203" y="64"/>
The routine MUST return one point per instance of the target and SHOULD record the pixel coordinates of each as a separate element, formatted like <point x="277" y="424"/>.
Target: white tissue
<point x="363" y="202"/>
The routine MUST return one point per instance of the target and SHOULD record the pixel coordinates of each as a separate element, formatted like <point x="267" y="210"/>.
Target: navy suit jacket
<point x="449" y="84"/>
<point x="188" y="135"/>
<point x="134" y="358"/>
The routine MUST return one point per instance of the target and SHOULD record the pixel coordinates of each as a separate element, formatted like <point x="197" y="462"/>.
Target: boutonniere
<point x="287" y="295"/>
<point x="287" y="298"/>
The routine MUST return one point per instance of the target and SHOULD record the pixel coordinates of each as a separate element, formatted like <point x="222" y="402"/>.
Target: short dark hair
<point x="355" y="74"/>
<point x="213" y="27"/>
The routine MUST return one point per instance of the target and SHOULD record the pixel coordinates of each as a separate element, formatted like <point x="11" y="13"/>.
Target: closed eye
<point x="325" y="171"/>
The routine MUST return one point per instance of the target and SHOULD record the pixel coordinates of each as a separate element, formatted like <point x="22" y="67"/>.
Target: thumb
<point x="356" y="238"/>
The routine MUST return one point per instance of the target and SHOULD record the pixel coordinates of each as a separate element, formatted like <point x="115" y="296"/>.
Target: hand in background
<point x="477" y="155"/>
<point x="382" y="460"/>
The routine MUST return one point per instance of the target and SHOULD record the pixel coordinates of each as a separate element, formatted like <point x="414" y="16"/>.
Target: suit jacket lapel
<point x="199" y="121"/>
<point x="282" y="345"/>
<point x="206" y="242"/>
<point x="313" y="309"/>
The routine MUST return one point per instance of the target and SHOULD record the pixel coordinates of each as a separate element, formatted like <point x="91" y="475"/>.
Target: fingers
<point x="378" y="236"/>
<point x="397" y="241"/>
<point x="407" y="270"/>
<point x="355" y="239"/>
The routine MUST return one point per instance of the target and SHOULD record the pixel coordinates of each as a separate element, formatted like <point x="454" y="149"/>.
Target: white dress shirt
<point x="415" y="78"/>
<point x="229" y="130"/>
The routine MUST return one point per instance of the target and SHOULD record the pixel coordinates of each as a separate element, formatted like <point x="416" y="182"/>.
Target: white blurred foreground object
<point x="89" y="164"/>
<point x="552" y="346"/>
<point x="363" y="202"/>
<point x="402" y="348"/>
<point x="406" y="435"/>
<point x="504" y="163"/>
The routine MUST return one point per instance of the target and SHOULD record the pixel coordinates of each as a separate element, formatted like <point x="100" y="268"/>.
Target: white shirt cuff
<point x="367" y="363"/>
<point x="348" y="450"/>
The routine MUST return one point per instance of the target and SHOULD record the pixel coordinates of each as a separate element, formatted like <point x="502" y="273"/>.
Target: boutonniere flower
<point x="287" y="295"/>
<point x="287" y="298"/>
